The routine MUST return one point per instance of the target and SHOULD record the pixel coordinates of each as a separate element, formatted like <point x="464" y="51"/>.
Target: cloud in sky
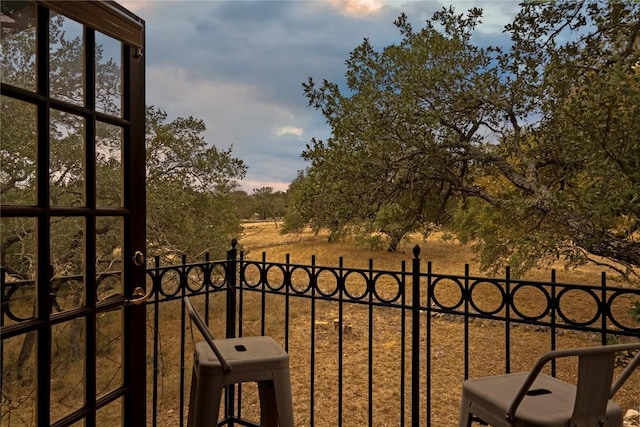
<point x="239" y="65"/>
<point x="283" y="130"/>
<point x="357" y="8"/>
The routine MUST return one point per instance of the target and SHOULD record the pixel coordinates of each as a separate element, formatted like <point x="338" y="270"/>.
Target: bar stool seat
<point x="236" y="360"/>
<point x="534" y="399"/>
<point x="549" y="402"/>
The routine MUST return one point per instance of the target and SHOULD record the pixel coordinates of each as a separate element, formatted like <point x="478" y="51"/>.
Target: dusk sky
<point x="239" y="65"/>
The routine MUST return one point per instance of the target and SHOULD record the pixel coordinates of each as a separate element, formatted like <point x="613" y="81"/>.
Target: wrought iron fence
<point x="365" y="344"/>
<point x="323" y="315"/>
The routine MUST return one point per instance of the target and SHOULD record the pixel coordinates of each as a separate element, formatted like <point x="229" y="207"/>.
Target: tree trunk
<point x="25" y="351"/>
<point x="393" y="244"/>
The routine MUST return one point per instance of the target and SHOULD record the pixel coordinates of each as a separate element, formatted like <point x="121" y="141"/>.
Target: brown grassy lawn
<point x="385" y="377"/>
<point x="447" y="369"/>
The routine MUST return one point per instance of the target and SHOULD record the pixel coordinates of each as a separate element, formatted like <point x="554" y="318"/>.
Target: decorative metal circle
<point x="67" y="294"/>
<point x="446" y="300"/>
<point x="321" y="278"/>
<point x="578" y="307"/>
<point x="529" y="291"/>
<point x="626" y="302"/>
<point x="381" y="287"/>
<point x="196" y="278"/>
<point x="217" y="276"/>
<point x="152" y="278"/>
<point x="251" y="274"/>
<point x="108" y="284"/>
<point x="474" y="298"/>
<point x="301" y="275"/>
<point x="19" y="302"/>
<point x="153" y="281"/>
<point x="170" y="280"/>
<point x="275" y="277"/>
<point x="356" y="285"/>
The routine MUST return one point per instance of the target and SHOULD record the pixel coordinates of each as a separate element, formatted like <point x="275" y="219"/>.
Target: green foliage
<point x="189" y="209"/>
<point x="268" y="204"/>
<point x="262" y="204"/>
<point x="384" y="164"/>
<point x="181" y="220"/>
<point x="531" y="153"/>
<point x="243" y="203"/>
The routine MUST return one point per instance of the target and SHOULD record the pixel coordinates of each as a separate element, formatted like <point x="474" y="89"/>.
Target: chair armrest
<point x="526" y="385"/>
<point x="635" y="362"/>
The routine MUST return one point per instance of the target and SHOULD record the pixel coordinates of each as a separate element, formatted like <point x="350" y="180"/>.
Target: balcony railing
<point x="367" y="346"/>
<point x="376" y="347"/>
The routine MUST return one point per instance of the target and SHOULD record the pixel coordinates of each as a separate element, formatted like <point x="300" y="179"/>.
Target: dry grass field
<point x="486" y="341"/>
<point x="374" y="365"/>
<point x="379" y="377"/>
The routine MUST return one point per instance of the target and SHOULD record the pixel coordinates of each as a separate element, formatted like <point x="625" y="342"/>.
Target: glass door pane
<point x="108" y="83"/>
<point x="18" y="151"/>
<point x="18" y="53"/>
<point x="66" y="60"/>
<point x="72" y="215"/>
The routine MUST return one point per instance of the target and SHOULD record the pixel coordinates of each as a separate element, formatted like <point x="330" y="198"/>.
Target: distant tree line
<point x="260" y="204"/>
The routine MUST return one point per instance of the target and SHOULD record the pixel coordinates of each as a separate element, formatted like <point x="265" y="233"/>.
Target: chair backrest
<point x="595" y="375"/>
<point x="206" y="333"/>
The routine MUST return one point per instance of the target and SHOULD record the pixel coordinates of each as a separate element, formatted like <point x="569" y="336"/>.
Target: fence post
<point x="232" y="282"/>
<point x="415" y="339"/>
<point x="603" y="308"/>
<point x="2" y="309"/>
<point x="3" y="301"/>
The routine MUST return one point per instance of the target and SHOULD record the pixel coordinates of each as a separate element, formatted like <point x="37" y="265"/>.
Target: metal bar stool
<point x="533" y="399"/>
<point x="222" y="362"/>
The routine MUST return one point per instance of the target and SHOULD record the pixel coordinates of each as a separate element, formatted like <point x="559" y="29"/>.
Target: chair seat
<point x="548" y="403"/>
<point x="252" y="359"/>
<point x="246" y="355"/>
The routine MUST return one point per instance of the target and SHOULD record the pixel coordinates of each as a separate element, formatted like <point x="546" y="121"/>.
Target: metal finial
<point x="416" y="251"/>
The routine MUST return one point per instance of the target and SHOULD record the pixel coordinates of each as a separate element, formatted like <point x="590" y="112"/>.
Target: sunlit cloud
<point x="283" y="130"/>
<point x="357" y="8"/>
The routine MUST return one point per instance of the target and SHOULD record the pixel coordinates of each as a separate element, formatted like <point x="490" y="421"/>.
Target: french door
<point x="72" y="231"/>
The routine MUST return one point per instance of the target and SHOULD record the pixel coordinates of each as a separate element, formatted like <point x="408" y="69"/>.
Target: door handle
<point x="138" y="258"/>
<point x="138" y="296"/>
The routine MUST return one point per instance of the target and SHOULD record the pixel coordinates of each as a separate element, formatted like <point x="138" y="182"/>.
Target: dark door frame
<point x="135" y="360"/>
<point x="114" y="21"/>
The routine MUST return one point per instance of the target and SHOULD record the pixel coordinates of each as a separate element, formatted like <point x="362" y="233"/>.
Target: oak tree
<point x="529" y="151"/>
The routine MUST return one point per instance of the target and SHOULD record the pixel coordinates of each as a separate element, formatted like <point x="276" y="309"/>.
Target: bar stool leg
<point x="268" y="404"/>
<point x="207" y="406"/>
<point x="465" y="415"/>
<point x="284" y="400"/>
<point x="192" y="398"/>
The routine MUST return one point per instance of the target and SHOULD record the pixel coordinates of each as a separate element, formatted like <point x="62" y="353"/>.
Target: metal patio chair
<point x="222" y="362"/>
<point x="534" y="399"/>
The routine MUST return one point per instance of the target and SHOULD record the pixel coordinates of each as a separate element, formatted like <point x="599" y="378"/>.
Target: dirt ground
<point x="373" y="366"/>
